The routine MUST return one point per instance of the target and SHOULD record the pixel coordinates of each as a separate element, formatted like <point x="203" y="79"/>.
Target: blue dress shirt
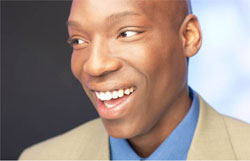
<point x="175" y="147"/>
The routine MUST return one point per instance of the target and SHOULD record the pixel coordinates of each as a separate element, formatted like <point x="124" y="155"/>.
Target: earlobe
<point x="190" y="33"/>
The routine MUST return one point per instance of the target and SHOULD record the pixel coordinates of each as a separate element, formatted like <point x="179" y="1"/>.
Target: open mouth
<point x="111" y="99"/>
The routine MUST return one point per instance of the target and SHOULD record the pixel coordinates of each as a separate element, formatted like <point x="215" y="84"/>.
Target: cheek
<point x="76" y="64"/>
<point x="150" y="60"/>
<point x="142" y="56"/>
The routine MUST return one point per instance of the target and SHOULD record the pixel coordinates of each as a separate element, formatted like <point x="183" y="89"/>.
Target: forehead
<point x="98" y="9"/>
<point x="100" y="15"/>
<point x="107" y="6"/>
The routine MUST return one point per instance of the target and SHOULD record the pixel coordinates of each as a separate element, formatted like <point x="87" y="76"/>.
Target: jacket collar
<point x="211" y="139"/>
<point x="96" y="146"/>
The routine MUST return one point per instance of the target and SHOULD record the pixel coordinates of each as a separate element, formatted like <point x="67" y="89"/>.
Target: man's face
<point x="127" y="44"/>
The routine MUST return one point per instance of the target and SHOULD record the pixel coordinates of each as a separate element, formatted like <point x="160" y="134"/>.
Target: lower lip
<point x="115" y="112"/>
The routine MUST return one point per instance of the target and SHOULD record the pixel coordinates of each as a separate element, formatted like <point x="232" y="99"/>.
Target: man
<point x="131" y="57"/>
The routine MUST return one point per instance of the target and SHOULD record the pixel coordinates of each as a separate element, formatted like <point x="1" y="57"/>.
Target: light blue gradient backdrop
<point x="220" y="72"/>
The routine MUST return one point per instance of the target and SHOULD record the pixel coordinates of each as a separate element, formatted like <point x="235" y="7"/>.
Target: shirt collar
<point x="175" y="147"/>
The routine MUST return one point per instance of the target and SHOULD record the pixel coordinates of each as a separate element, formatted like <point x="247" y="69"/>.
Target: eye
<point x="128" y="33"/>
<point x="77" y="43"/>
<point x="73" y="42"/>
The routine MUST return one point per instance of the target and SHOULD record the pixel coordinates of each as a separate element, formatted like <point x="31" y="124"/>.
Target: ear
<point x="190" y="33"/>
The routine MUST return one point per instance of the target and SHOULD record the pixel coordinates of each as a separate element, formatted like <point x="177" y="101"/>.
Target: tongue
<point x="117" y="101"/>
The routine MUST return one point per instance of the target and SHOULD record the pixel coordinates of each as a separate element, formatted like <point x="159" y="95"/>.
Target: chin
<point x="119" y="129"/>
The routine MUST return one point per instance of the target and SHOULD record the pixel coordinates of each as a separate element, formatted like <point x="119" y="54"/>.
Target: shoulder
<point x="234" y="124"/>
<point x="67" y="145"/>
<point x="239" y="133"/>
<point x="220" y="134"/>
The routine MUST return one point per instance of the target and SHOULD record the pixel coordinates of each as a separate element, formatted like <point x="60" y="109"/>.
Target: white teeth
<point x="115" y="94"/>
<point x="102" y="96"/>
<point x="120" y="93"/>
<point x="108" y="96"/>
<point x="108" y="105"/>
<point x="127" y="91"/>
<point x="97" y="94"/>
<point x="105" y="96"/>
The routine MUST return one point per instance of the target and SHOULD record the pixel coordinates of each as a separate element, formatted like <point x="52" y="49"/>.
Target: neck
<point x="146" y="144"/>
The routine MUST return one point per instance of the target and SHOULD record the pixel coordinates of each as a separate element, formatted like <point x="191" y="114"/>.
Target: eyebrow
<point x="72" y="23"/>
<point x="110" y="19"/>
<point x="117" y="16"/>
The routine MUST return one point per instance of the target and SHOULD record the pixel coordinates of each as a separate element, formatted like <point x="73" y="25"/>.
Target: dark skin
<point x="142" y="44"/>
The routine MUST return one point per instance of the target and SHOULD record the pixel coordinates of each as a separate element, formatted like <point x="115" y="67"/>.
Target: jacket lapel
<point x="211" y="139"/>
<point x="97" y="145"/>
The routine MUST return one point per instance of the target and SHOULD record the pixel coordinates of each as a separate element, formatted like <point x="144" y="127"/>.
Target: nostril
<point x="105" y="73"/>
<point x="101" y="66"/>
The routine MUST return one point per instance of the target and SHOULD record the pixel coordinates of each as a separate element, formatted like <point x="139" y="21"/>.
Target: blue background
<point x="40" y="97"/>
<point x="220" y="72"/>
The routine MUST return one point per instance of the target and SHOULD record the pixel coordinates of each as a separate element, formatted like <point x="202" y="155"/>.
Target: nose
<point x="100" y="61"/>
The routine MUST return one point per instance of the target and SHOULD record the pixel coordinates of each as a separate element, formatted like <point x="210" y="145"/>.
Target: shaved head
<point x="138" y="44"/>
<point x="176" y="10"/>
